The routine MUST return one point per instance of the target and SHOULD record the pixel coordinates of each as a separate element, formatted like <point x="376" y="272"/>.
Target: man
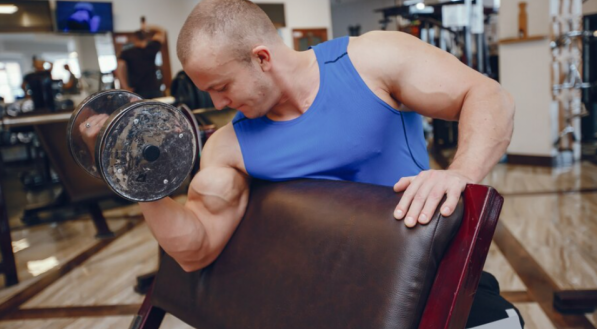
<point x="37" y="84"/>
<point x="136" y="69"/>
<point x="329" y="112"/>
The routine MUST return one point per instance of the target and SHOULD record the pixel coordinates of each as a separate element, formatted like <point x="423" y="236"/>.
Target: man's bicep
<point x="219" y="193"/>
<point x="218" y="197"/>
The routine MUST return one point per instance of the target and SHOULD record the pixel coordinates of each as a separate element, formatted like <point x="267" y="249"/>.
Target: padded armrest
<point x="313" y="254"/>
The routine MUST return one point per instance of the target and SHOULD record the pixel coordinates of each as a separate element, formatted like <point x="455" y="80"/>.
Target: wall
<point x="166" y="13"/>
<point x="171" y="14"/>
<point x="525" y="73"/>
<point x="21" y="47"/>
<point x="537" y="13"/>
<point x="299" y="14"/>
<point x="88" y="57"/>
<point x="362" y="13"/>
<point x="589" y="7"/>
<point x="304" y="14"/>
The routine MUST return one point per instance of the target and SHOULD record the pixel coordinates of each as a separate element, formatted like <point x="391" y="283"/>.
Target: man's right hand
<point x="90" y="130"/>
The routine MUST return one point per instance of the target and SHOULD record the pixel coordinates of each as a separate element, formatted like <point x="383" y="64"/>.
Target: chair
<point x="80" y="187"/>
<point x="329" y="254"/>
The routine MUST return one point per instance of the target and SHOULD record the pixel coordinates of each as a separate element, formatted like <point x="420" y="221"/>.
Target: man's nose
<point x="220" y="102"/>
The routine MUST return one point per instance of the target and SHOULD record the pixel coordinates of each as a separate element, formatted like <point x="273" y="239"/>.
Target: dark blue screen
<point x="84" y="17"/>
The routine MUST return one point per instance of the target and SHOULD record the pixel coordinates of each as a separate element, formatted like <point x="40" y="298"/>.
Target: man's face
<point x="38" y="65"/>
<point x="232" y="83"/>
<point x="137" y="42"/>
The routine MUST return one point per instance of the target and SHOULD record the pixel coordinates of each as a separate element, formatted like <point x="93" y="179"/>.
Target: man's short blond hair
<point x="237" y="25"/>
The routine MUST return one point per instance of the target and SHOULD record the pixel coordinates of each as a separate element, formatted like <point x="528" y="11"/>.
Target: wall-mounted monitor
<point x="84" y="17"/>
<point x="25" y="16"/>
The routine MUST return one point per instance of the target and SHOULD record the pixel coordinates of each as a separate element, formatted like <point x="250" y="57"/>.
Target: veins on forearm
<point x="484" y="133"/>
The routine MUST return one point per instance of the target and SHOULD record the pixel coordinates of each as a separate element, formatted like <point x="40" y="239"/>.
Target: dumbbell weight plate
<point x="146" y="150"/>
<point x="103" y="102"/>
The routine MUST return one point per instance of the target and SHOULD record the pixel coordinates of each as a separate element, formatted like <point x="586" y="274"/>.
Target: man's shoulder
<point x="153" y="46"/>
<point x="379" y="52"/>
<point x="37" y="75"/>
<point x="223" y="149"/>
<point x="378" y="40"/>
<point x="124" y="54"/>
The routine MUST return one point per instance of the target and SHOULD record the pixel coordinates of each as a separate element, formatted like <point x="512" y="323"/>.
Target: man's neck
<point x="298" y="78"/>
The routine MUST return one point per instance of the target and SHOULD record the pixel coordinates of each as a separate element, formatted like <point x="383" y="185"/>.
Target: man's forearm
<point x="159" y="34"/>
<point x="484" y="131"/>
<point x="178" y="231"/>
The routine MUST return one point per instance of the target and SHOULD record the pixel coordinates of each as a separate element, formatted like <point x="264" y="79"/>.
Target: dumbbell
<point x="142" y="149"/>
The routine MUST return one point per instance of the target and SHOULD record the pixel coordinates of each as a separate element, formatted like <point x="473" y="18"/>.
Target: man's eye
<point x="221" y="89"/>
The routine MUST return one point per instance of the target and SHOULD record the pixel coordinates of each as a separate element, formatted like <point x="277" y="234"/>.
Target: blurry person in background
<point x="35" y="83"/>
<point x="136" y="69"/>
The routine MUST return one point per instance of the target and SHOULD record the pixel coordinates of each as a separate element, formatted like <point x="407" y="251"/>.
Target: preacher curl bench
<point x="329" y="254"/>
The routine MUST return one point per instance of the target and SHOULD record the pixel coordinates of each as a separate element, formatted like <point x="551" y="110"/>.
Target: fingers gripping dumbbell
<point x="142" y="149"/>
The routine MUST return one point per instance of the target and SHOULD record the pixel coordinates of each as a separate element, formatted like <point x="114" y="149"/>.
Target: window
<point x="58" y="71"/>
<point x="10" y="81"/>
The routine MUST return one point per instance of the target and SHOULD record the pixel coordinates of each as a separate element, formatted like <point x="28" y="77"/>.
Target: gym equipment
<point x="185" y="92"/>
<point x="567" y="90"/>
<point x="330" y="255"/>
<point x="142" y="149"/>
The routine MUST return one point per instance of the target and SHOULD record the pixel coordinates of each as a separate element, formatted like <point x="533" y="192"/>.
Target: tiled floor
<point x="556" y="229"/>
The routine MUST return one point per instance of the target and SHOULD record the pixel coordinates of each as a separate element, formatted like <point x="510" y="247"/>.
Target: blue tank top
<point x="348" y="133"/>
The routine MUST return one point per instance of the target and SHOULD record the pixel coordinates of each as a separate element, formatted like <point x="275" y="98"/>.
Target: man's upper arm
<point x="218" y="194"/>
<point x="121" y="63"/>
<point x="124" y="56"/>
<point x="122" y="73"/>
<point x="424" y="78"/>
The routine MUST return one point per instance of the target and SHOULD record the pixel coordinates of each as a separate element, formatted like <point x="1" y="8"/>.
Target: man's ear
<point x="263" y="56"/>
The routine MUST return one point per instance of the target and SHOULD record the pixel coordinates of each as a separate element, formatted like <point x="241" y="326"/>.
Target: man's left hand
<point x="423" y="193"/>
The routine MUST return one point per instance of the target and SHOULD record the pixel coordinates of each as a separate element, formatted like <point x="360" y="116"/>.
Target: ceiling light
<point x="8" y="9"/>
<point x="420" y="6"/>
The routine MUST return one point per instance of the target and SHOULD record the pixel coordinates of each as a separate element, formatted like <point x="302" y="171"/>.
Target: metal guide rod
<point x="467" y="33"/>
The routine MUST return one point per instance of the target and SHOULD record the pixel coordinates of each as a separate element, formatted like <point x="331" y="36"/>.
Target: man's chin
<point x="248" y="114"/>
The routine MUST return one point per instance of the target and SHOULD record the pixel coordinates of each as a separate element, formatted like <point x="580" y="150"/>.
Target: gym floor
<point x="545" y="241"/>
